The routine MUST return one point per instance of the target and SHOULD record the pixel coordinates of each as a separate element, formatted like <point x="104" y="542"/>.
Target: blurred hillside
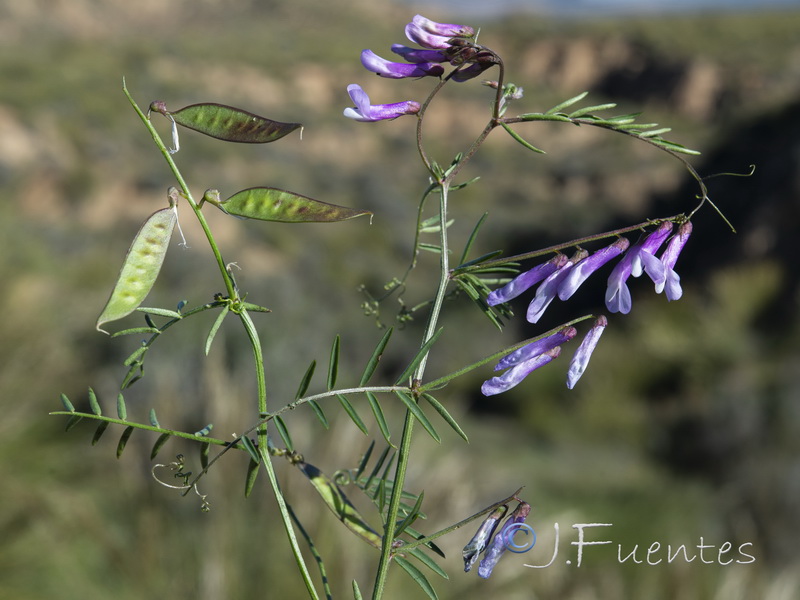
<point x="686" y="424"/>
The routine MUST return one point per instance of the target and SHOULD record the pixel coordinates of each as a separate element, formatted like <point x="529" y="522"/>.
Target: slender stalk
<point x="287" y="523"/>
<point x="186" y="193"/>
<point x="404" y="450"/>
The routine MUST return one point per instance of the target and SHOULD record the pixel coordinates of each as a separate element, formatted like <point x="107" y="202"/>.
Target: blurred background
<point x="684" y="427"/>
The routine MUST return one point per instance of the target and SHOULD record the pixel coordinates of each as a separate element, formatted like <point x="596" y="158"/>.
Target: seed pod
<point x="141" y="266"/>
<point x="271" y="204"/>
<point x="227" y="123"/>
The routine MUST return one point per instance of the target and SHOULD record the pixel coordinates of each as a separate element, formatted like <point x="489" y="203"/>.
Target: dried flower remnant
<point x="481" y="539"/>
<point x="500" y="542"/>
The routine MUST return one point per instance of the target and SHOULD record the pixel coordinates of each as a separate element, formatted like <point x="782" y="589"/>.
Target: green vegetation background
<point x="686" y="424"/>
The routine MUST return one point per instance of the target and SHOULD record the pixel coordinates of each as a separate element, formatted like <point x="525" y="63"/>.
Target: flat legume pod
<point x="141" y="267"/>
<point x="272" y="204"/>
<point x="227" y="123"/>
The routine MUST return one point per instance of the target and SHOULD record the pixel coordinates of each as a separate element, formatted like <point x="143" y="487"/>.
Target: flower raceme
<point x="562" y="277"/>
<point x="441" y="42"/>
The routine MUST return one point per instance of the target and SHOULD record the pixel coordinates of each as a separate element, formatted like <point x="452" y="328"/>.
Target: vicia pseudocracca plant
<point x="443" y="54"/>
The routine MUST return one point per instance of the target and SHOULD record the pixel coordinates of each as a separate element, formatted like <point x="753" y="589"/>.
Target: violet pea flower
<point x="526" y="280"/>
<point x="644" y="259"/>
<point x="672" y="281"/>
<point x="637" y="259"/>
<point x="512" y="377"/>
<point x="414" y="55"/>
<point x="426" y="39"/>
<point x="392" y="70"/>
<point x="444" y="29"/>
<point x="547" y="291"/>
<point x="584" y="352"/>
<point x="366" y="112"/>
<point x="535" y="348"/>
<point x="501" y="540"/>
<point x="582" y="270"/>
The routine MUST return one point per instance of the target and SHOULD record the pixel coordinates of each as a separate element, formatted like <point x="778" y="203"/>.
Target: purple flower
<point x="672" y="281"/>
<point x="500" y="542"/>
<point x="547" y="291"/>
<point x="414" y="55"/>
<point x="443" y="29"/>
<point x="392" y="70"/>
<point x="644" y="259"/>
<point x="481" y="538"/>
<point x="426" y="39"/>
<point x="525" y="281"/>
<point x="536" y="348"/>
<point x="364" y="111"/>
<point x="581" y="271"/>
<point x="581" y="358"/>
<point x="639" y="258"/>
<point x="512" y="377"/>
<point x="618" y="296"/>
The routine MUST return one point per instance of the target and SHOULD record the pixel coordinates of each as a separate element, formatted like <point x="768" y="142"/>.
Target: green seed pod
<point x="272" y="204"/>
<point x="141" y="266"/>
<point x="227" y="123"/>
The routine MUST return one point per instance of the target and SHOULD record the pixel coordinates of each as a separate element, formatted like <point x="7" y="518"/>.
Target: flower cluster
<point x="495" y="548"/>
<point x="441" y="43"/>
<point x="561" y="276"/>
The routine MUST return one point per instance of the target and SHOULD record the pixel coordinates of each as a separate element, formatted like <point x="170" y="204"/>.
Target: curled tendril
<point x="343" y="477"/>
<point x="731" y="174"/>
<point x="511" y="531"/>
<point x="177" y="468"/>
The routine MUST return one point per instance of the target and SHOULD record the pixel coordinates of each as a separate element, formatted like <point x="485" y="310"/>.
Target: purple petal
<point x="618" y="296"/>
<point x="582" y="270"/>
<point x="672" y="286"/>
<point x="654" y="268"/>
<point x="650" y="244"/>
<point x="535" y="348"/>
<point x="512" y="377"/>
<point x="426" y="39"/>
<point x="672" y="282"/>
<point x="525" y="281"/>
<point x="443" y="29"/>
<point x="584" y="352"/>
<point x="547" y="291"/>
<point x="366" y="112"/>
<point x="392" y="70"/>
<point x="414" y="55"/>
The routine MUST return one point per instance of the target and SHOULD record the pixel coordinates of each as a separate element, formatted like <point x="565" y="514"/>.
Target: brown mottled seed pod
<point x="227" y="123"/>
<point x="272" y="204"/>
<point x="141" y="267"/>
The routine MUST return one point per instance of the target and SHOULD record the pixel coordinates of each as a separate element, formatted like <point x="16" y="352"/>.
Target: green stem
<point x="404" y="450"/>
<point x="187" y="194"/>
<point x="287" y="523"/>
